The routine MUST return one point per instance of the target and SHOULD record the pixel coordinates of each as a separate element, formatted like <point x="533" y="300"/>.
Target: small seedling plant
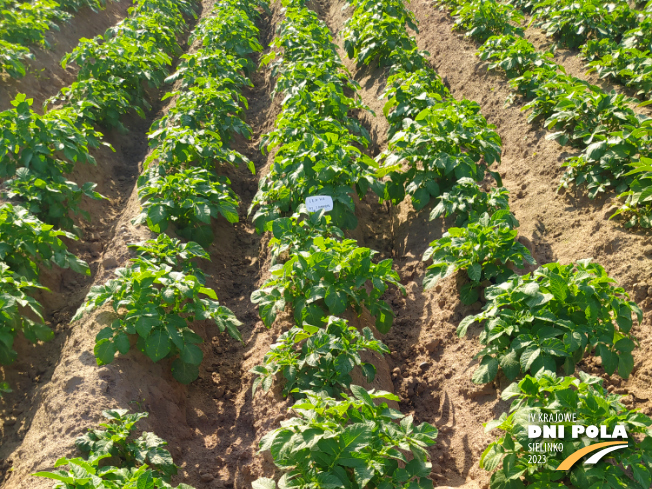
<point x="351" y="442"/>
<point x="115" y="459"/>
<point x="156" y="304"/>
<point x="552" y="318"/>
<point x="485" y="249"/>
<point x="334" y="274"/>
<point x="591" y="404"/>
<point x="318" y="359"/>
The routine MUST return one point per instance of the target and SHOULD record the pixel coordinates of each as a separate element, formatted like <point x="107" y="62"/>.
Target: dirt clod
<point x="109" y="262"/>
<point x="432" y="345"/>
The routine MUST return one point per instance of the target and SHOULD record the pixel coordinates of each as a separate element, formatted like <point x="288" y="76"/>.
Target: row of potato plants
<point x="163" y="290"/>
<point x="157" y="295"/>
<point x="574" y="24"/>
<point x="341" y="435"/>
<point x="612" y="143"/>
<point x="26" y="23"/>
<point x="614" y="38"/>
<point x="37" y="152"/>
<point x="536" y="323"/>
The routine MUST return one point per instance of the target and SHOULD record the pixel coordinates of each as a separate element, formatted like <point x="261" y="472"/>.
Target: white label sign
<point x="315" y="203"/>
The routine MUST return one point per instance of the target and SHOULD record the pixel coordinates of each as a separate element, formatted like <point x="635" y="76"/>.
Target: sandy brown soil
<point x="45" y="76"/>
<point x="213" y="425"/>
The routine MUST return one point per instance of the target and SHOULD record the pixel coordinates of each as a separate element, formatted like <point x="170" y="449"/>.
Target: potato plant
<point x="209" y="109"/>
<point x="317" y="156"/>
<point x="16" y="307"/>
<point x="26" y="23"/>
<point x="202" y="121"/>
<point x="638" y="198"/>
<point x="553" y="317"/>
<point x="586" y="398"/>
<point x="116" y="459"/>
<point x="485" y="249"/>
<point x="156" y="304"/>
<point x="38" y="151"/>
<point x="318" y="141"/>
<point x="610" y="135"/>
<point x="52" y="199"/>
<point x="572" y="23"/>
<point x="26" y="244"/>
<point x="117" y="441"/>
<point x="445" y="142"/>
<point x="377" y="29"/>
<point x="331" y="276"/>
<point x="515" y="56"/>
<point x="318" y="267"/>
<point x="482" y="19"/>
<point x="626" y="65"/>
<point x="238" y="36"/>
<point x="115" y="69"/>
<point x="410" y="92"/>
<point x="12" y="59"/>
<point x="577" y="112"/>
<point x="188" y="199"/>
<point x="352" y="442"/>
<point x="468" y="202"/>
<point x="310" y="358"/>
<point x="165" y="250"/>
<point x="299" y="233"/>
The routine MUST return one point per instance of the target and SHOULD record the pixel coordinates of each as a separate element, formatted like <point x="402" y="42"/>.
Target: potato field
<point x="321" y="244"/>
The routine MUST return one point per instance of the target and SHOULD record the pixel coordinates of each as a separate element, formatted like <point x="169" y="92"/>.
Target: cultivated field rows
<point x="212" y="421"/>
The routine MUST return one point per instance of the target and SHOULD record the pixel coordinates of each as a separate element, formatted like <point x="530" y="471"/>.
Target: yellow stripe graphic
<point x="568" y="463"/>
